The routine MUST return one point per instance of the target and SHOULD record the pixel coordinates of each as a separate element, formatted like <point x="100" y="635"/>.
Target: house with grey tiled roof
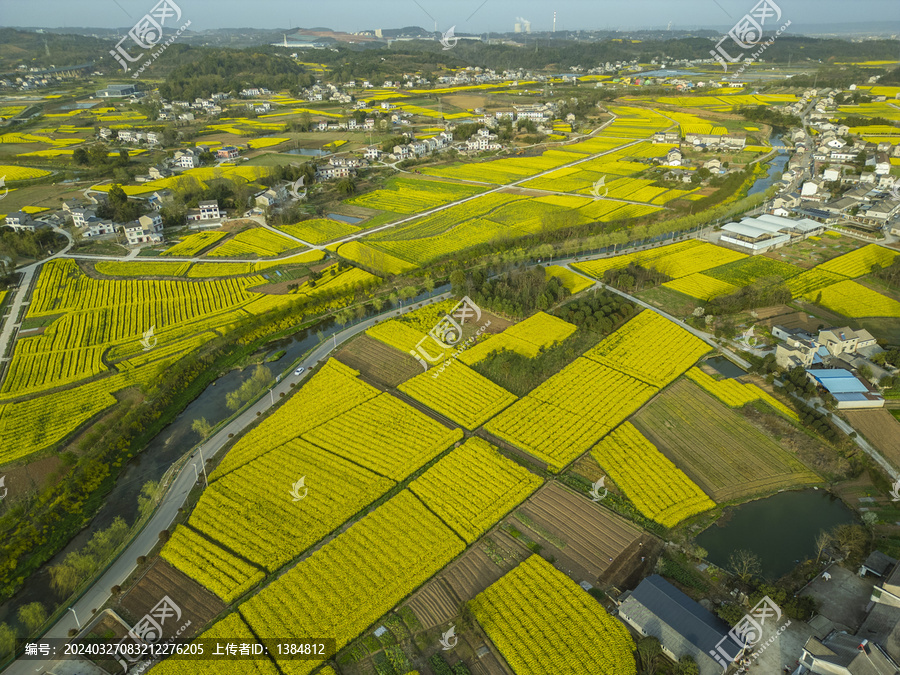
<point x="682" y="626"/>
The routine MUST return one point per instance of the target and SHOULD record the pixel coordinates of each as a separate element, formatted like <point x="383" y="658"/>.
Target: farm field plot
<point x="192" y="244"/>
<point x="374" y="258"/>
<point x="692" y="124"/>
<point x="113" y="315"/>
<point x="343" y="587"/>
<point x="507" y="170"/>
<point x="303" y="258"/>
<point x="474" y="487"/>
<point x="859" y="262"/>
<point x="634" y="349"/>
<point x="592" y="534"/>
<point x="14" y="173"/>
<point x="675" y="260"/>
<point x="736" y="394"/>
<point x="250" y="511"/>
<point x="209" y="565"/>
<point x="716" y="447"/>
<point x="648" y="478"/>
<point x="384" y="435"/>
<point x="459" y="393"/>
<point x="700" y="286"/>
<point x="210" y="269"/>
<point x="409" y="330"/>
<point x="33" y="424"/>
<point x="438" y="601"/>
<point x="812" y="280"/>
<point x="198" y="605"/>
<point x="333" y="280"/>
<point x="574" y="283"/>
<point x="570" y="633"/>
<point x="255" y="241"/>
<point x="319" y="230"/>
<point x="880" y="428"/>
<point x="749" y="270"/>
<point x="855" y="301"/>
<point x="570" y="412"/>
<point x="115" y="268"/>
<point x="411" y="195"/>
<point x="378" y="361"/>
<point x="330" y="392"/>
<point x="528" y="338"/>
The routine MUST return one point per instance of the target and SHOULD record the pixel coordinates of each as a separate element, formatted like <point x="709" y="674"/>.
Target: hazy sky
<point x="467" y="15"/>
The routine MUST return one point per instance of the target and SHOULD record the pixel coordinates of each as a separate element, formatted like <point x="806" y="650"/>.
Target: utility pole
<point x="203" y="464"/>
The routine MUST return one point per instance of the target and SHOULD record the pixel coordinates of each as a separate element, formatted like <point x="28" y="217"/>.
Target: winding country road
<point x="181" y="485"/>
<point x="167" y="510"/>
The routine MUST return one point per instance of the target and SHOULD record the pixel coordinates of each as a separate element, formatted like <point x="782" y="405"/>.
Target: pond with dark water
<point x="725" y="367"/>
<point x="780" y="529"/>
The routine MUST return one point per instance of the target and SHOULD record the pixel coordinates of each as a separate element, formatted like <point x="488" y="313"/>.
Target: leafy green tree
<point x="202" y="427"/>
<point x="250" y="389"/>
<point x="346" y="186"/>
<point x="99" y="154"/>
<point x="7" y="640"/>
<point x="687" y="666"/>
<point x="33" y="615"/>
<point x="147" y="497"/>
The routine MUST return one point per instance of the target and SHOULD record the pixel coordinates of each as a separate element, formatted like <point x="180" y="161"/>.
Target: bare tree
<point x="823" y="539"/>
<point x="850" y="539"/>
<point x="745" y="564"/>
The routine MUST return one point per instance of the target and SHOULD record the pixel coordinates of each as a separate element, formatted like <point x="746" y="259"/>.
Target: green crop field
<point x="716" y="447"/>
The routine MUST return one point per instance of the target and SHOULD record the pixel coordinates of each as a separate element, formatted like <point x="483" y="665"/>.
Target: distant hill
<point x="43" y="50"/>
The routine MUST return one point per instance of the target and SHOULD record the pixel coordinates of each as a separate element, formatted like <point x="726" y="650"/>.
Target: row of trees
<point x="258" y="382"/>
<point x="77" y="566"/>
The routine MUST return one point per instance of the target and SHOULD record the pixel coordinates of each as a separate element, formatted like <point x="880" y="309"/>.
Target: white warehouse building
<point x="765" y="232"/>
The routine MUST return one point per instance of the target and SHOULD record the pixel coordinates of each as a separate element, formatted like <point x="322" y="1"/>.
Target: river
<point x="776" y="169"/>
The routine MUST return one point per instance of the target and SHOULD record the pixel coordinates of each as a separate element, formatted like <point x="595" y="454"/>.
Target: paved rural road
<point x="22" y="291"/>
<point x="177" y="493"/>
<point x="706" y="337"/>
<point x="421" y="214"/>
<point x="859" y="440"/>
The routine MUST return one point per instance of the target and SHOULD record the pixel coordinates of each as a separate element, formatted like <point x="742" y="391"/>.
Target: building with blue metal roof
<point x="848" y="390"/>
